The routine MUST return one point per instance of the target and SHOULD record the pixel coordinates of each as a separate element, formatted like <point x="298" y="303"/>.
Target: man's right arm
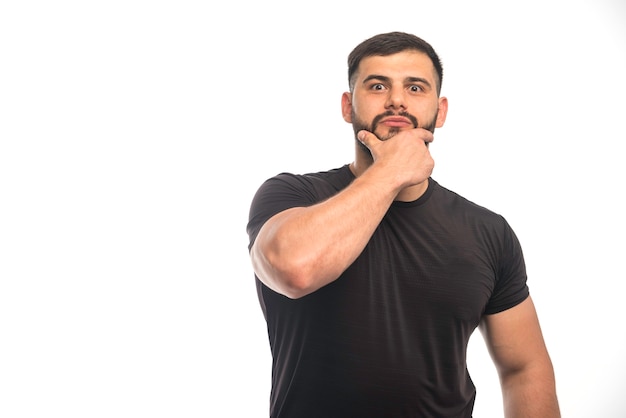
<point x="302" y="249"/>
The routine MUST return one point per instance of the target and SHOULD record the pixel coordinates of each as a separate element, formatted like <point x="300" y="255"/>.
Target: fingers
<point x="428" y="137"/>
<point x="404" y="156"/>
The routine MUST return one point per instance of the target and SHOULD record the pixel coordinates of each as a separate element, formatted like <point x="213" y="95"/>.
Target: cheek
<point x="359" y="111"/>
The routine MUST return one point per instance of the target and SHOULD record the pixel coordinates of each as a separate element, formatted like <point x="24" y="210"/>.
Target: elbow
<point x="295" y="286"/>
<point x="287" y="275"/>
<point x="290" y="281"/>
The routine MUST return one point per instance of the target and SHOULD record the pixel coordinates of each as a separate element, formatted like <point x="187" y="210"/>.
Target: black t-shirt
<point x="388" y="338"/>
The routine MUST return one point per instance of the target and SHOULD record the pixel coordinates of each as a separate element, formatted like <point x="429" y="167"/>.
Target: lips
<point x="396" y="121"/>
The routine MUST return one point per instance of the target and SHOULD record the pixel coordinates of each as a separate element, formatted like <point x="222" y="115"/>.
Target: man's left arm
<point x="516" y="345"/>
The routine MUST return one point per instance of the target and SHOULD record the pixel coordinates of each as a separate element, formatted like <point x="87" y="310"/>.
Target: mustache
<point x="388" y="113"/>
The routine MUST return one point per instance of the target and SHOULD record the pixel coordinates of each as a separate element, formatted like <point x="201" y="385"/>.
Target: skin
<point x="303" y="249"/>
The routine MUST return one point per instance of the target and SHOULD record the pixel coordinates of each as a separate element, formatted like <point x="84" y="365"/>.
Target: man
<point x="372" y="276"/>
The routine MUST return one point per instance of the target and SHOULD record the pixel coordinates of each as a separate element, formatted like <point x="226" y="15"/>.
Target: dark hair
<point x="388" y="44"/>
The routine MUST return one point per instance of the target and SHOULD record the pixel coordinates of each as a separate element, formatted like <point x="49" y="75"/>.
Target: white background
<point x="134" y="134"/>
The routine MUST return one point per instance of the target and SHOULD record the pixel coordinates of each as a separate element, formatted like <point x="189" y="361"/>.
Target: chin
<point x="390" y="134"/>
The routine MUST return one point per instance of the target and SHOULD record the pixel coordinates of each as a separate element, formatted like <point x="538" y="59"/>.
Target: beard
<point x="359" y="125"/>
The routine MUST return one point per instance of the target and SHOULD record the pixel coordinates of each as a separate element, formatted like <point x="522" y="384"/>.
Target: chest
<point x="413" y="268"/>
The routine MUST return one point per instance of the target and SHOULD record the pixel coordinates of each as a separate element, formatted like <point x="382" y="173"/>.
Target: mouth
<point x="397" y="122"/>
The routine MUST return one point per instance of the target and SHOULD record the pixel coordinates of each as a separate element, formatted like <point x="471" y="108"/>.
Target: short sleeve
<point x="511" y="282"/>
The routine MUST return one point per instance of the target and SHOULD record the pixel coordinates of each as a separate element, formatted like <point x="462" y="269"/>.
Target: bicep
<point x="514" y="338"/>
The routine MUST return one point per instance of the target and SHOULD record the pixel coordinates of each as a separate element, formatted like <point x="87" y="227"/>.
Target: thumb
<point x="367" y="138"/>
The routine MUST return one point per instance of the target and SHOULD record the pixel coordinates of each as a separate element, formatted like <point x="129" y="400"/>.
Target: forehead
<point x="400" y="65"/>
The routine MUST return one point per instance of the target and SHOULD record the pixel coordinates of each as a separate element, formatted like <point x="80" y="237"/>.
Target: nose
<point x="396" y="99"/>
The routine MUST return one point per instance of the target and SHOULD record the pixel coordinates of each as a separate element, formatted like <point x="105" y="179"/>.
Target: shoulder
<point x="311" y="186"/>
<point x="288" y="190"/>
<point x="337" y="177"/>
<point x="452" y="209"/>
<point x="451" y="201"/>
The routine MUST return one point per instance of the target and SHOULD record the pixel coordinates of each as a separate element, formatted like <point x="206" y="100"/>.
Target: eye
<point x="415" y="88"/>
<point x="377" y="86"/>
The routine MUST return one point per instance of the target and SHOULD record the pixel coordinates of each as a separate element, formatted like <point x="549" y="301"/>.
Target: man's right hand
<point x="404" y="157"/>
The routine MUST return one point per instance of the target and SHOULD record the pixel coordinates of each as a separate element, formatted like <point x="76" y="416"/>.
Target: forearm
<point x="530" y="394"/>
<point x="302" y="249"/>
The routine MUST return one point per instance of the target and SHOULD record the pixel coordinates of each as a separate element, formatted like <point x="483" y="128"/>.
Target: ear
<point x="442" y="112"/>
<point x="346" y="106"/>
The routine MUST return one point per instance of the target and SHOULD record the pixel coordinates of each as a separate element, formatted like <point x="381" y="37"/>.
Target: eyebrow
<point x="387" y="79"/>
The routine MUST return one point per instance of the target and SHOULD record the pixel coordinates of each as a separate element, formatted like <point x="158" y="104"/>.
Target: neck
<point x="412" y="193"/>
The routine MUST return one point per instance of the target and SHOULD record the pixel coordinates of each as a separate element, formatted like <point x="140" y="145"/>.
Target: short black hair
<point x="392" y="43"/>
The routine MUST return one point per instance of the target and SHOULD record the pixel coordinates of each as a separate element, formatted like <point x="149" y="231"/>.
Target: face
<point x="394" y="93"/>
